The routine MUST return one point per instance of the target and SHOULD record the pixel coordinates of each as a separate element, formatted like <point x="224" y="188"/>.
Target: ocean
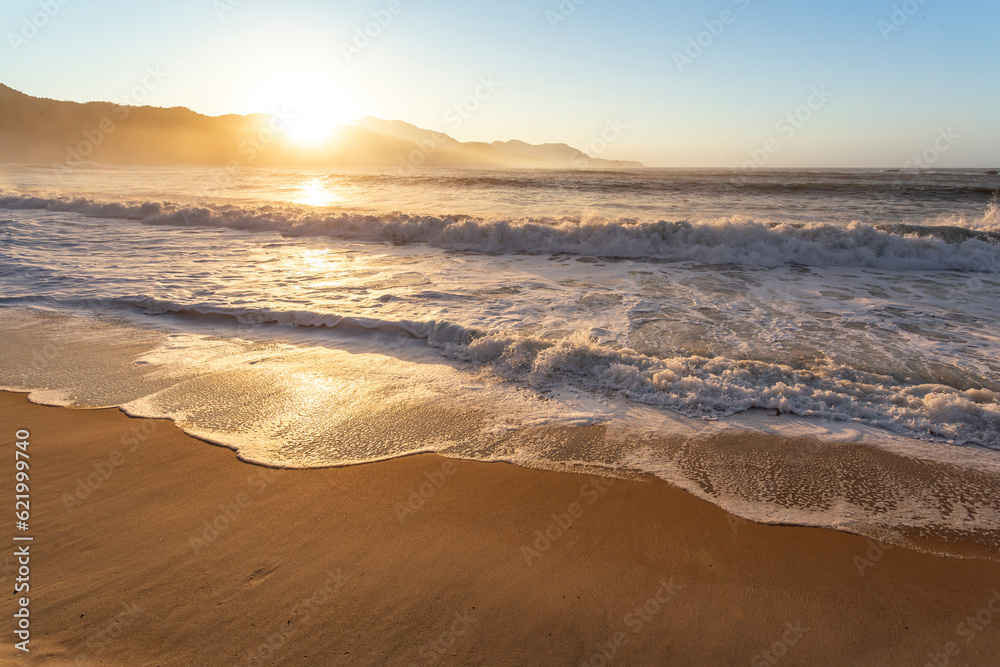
<point x="817" y="347"/>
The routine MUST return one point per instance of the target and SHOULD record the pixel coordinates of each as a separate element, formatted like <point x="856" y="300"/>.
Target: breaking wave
<point x="707" y="388"/>
<point x="732" y="240"/>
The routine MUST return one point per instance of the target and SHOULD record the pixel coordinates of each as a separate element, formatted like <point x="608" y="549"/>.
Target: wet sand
<point x="151" y="547"/>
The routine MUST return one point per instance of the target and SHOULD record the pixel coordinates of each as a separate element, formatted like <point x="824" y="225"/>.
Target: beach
<point x="406" y="334"/>
<point x="151" y="547"/>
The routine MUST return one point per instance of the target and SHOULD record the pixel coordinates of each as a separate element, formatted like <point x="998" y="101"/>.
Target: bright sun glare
<point x="312" y="129"/>
<point x="314" y="192"/>
<point x="314" y="103"/>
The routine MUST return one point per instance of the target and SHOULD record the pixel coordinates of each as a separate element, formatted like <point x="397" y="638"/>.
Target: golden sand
<point x="151" y="547"/>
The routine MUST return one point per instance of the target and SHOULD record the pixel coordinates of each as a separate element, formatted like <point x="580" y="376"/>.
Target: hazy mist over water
<point x="959" y="197"/>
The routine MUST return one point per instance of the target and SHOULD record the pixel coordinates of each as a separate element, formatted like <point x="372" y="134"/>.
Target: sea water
<point x="311" y="318"/>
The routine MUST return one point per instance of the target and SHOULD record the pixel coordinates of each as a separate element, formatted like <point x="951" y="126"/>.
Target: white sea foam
<point x="732" y="240"/>
<point x="699" y="387"/>
<point x="769" y="312"/>
<point x="301" y="405"/>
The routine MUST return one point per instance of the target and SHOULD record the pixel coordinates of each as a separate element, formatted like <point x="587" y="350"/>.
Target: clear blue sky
<point x="893" y="92"/>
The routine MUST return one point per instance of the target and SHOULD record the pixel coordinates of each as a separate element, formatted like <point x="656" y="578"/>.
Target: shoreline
<point x="178" y="553"/>
<point x="249" y="393"/>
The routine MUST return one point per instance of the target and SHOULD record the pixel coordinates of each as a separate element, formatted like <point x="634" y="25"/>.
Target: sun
<point x="312" y="103"/>
<point x="311" y="127"/>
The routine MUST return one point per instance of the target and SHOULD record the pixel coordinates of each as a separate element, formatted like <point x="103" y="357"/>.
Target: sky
<point x="724" y="83"/>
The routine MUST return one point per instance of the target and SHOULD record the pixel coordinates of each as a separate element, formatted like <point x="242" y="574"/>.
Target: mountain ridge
<point x="39" y="130"/>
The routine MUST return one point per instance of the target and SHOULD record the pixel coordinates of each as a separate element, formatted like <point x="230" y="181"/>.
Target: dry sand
<point x="151" y="547"/>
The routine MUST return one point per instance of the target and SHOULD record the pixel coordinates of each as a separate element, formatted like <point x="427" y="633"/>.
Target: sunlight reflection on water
<point x="315" y="192"/>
